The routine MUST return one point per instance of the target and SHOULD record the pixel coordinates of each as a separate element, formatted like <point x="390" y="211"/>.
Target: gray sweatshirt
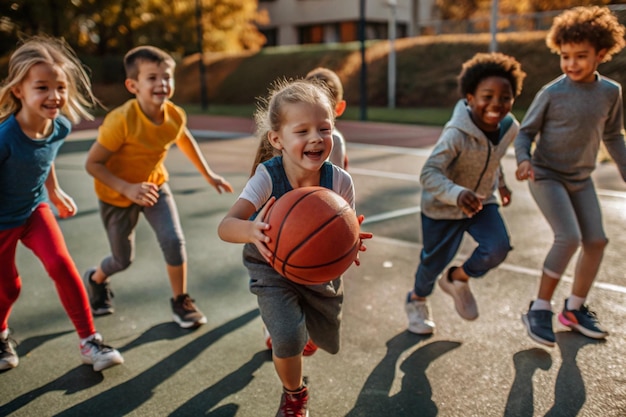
<point x="463" y="159"/>
<point x="568" y="119"/>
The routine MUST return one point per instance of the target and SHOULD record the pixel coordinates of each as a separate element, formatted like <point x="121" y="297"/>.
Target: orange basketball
<point x="314" y="235"/>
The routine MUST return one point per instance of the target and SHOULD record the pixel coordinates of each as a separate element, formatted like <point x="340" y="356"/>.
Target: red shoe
<point x="268" y="338"/>
<point x="294" y="404"/>
<point x="310" y="348"/>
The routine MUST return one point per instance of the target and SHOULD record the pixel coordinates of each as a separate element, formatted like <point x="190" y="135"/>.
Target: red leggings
<point x="42" y="235"/>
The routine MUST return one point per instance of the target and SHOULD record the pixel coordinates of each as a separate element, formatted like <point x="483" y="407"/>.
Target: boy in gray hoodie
<point x="459" y="180"/>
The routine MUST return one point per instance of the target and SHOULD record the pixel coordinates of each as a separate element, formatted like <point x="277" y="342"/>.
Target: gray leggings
<point x="573" y="212"/>
<point x="120" y="224"/>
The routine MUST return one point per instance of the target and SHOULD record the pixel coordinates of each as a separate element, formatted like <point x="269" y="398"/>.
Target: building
<point x="296" y="22"/>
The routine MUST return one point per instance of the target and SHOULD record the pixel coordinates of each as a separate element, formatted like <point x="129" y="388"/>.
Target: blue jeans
<point x="442" y="239"/>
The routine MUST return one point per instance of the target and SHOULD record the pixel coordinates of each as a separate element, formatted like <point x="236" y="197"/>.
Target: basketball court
<point x="484" y="368"/>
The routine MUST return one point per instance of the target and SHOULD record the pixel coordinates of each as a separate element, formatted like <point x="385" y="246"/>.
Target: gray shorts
<point x="293" y="313"/>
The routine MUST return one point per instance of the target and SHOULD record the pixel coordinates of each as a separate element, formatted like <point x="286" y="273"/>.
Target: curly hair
<point x="596" y="25"/>
<point x="493" y="64"/>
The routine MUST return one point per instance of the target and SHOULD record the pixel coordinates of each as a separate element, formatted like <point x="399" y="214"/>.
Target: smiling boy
<point x="572" y="114"/>
<point x="127" y="162"/>
<point x="459" y="180"/>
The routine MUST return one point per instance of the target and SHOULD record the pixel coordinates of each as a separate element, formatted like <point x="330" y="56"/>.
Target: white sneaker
<point x="8" y="355"/>
<point x="95" y="352"/>
<point x="464" y="301"/>
<point x="419" y="316"/>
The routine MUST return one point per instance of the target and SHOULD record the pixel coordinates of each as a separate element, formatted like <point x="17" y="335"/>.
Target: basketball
<point x="314" y="235"/>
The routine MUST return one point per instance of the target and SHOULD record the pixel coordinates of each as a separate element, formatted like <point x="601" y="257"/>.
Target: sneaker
<point x="268" y="338"/>
<point x="186" y="314"/>
<point x="419" y="316"/>
<point x="8" y="355"/>
<point x="294" y="404"/>
<point x="539" y="325"/>
<point x="95" y="352"/>
<point x="464" y="301"/>
<point x="100" y="295"/>
<point x="583" y="321"/>
<point x="309" y="349"/>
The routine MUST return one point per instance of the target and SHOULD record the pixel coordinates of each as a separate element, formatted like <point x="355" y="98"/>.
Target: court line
<point x="376" y="218"/>
<point x="506" y="266"/>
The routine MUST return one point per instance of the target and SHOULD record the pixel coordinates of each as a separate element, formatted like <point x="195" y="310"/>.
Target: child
<point x="298" y="123"/>
<point x="459" y="180"/>
<point x="572" y="114"/>
<point x="127" y="162"/>
<point x="46" y="91"/>
<point x="330" y="80"/>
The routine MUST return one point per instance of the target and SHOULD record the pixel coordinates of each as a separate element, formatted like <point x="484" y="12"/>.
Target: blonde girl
<point x="46" y="91"/>
<point x="295" y="130"/>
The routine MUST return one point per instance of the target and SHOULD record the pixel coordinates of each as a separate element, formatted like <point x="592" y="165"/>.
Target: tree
<point x="102" y="27"/>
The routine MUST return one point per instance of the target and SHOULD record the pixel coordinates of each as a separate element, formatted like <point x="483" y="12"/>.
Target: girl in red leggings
<point x="46" y="91"/>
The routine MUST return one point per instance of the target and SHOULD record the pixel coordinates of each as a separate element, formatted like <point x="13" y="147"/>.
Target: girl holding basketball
<point x="295" y="131"/>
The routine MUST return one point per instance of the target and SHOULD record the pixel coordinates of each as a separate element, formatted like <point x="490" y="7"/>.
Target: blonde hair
<point x="269" y="114"/>
<point x="43" y="49"/>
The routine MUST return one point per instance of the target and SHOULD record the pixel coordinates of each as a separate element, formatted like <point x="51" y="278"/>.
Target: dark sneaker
<point x="8" y="355"/>
<point x="186" y="314"/>
<point x="95" y="352"/>
<point x="100" y="295"/>
<point x="583" y="321"/>
<point x="539" y="325"/>
<point x="464" y="301"/>
<point x="294" y="404"/>
<point x="418" y="313"/>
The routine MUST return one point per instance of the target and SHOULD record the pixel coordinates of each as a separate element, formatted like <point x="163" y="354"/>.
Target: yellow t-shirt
<point x="139" y="146"/>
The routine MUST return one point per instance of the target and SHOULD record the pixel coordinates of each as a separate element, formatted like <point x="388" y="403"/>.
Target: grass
<point x="428" y="116"/>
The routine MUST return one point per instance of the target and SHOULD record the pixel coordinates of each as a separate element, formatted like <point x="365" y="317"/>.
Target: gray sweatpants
<point x="293" y="312"/>
<point x="573" y="212"/>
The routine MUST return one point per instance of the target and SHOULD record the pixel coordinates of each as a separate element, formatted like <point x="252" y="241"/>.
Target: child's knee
<point x="595" y="245"/>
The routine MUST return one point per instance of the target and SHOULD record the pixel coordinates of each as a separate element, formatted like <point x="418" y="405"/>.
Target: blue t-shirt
<point x="24" y="167"/>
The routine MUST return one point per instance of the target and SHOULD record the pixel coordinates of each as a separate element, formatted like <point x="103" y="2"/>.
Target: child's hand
<point x="258" y="236"/>
<point x="470" y="203"/>
<point x="525" y="171"/>
<point x="505" y="195"/>
<point x="362" y="236"/>
<point x="64" y="204"/>
<point x="144" y="194"/>
<point x="221" y="185"/>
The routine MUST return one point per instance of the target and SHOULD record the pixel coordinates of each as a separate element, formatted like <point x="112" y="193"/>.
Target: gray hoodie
<point x="463" y="158"/>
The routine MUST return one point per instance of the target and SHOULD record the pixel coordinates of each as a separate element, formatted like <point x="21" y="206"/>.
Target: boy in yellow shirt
<point x="127" y="163"/>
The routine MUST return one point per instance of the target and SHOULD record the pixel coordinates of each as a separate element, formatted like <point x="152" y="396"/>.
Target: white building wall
<point x="287" y="15"/>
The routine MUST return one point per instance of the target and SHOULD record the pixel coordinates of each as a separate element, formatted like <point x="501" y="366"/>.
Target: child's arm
<point x="142" y="193"/>
<point x="189" y="147"/>
<point x="236" y="228"/>
<point x="505" y="192"/>
<point x="63" y="202"/>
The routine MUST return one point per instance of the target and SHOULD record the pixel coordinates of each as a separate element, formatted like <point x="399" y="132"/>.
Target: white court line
<point x="506" y="266"/>
<point x="376" y="218"/>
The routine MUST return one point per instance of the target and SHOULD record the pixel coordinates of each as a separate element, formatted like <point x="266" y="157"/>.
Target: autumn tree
<point x="102" y="27"/>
